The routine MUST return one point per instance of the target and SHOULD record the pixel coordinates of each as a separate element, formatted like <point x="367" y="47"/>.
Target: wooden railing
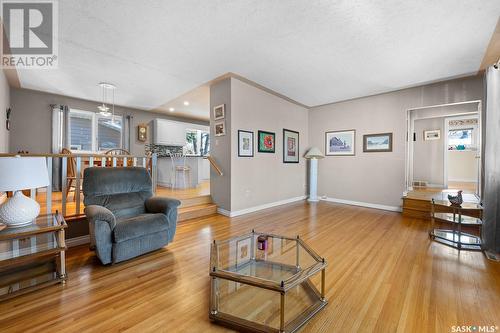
<point x="214" y="164"/>
<point x="75" y="163"/>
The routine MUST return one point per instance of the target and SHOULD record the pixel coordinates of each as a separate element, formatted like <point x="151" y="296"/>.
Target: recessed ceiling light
<point x="186" y="103"/>
<point x="171" y="109"/>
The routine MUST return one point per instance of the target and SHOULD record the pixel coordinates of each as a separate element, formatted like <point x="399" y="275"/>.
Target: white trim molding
<point x="363" y="204"/>
<point x="71" y="242"/>
<point x="260" y="207"/>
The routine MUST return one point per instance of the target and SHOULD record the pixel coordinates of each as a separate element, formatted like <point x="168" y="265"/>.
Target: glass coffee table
<point x="265" y="283"/>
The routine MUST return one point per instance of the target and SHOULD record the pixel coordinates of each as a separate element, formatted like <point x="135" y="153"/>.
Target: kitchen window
<point x="197" y="142"/>
<point x="91" y="132"/>
<point x="460" y="139"/>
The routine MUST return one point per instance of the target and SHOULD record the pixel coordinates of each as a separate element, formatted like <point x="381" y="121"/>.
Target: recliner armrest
<point x="161" y="204"/>
<point x="99" y="213"/>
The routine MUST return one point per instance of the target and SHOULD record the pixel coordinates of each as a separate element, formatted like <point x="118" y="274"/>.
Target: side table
<point x="33" y="256"/>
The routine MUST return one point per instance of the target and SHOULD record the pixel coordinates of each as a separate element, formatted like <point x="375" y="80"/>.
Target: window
<point x="197" y="142"/>
<point x="460" y="139"/>
<point x="109" y="133"/>
<point x="91" y="132"/>
<point x="81" y="130"/>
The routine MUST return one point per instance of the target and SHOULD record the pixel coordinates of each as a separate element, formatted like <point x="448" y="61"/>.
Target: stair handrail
<point x="214" y="164"/>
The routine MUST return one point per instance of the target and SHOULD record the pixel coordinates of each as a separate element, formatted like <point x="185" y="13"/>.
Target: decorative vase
<point x="19" y="210"/>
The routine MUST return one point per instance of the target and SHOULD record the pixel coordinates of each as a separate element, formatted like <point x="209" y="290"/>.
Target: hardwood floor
<point x="384" y="275"/>
<point x="202" y="189"/>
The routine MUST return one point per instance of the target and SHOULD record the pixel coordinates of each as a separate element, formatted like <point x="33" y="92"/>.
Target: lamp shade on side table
<point x="16" y="174"/>
<point x="313" y="155"/>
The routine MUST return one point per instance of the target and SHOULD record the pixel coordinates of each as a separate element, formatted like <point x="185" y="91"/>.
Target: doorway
<point x="461" y="167"/>
<point x="444" y="149"/>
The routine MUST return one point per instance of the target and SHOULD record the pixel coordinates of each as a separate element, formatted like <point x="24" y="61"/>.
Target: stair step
<point x="192" y="212"/>
<point x="195" y="201"/>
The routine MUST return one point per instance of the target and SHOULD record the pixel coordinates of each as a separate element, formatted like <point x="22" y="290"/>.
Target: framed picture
<point x="340" y="143"/>
<point x="245" y="143"/>
<point x="220" y="128"/>
<point x="267" y="142"/>
<point x="243" y="249"/>
<point x="377" y="142"/>
<point x="219" y="112"/>
<point x="432" y="135"/>
<point x="142" y="132"/>
<point x="290" y="146"/>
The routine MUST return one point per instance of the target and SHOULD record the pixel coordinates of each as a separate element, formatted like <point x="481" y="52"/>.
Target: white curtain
<point x="491" y="198"/>
<point x="59" y="140"/>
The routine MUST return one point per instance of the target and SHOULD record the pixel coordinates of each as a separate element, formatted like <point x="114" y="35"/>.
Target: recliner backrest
<point x="122" y="190"/>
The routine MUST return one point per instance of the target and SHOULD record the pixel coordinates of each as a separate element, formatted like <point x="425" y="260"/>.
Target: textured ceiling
<point x="314" y="52"/>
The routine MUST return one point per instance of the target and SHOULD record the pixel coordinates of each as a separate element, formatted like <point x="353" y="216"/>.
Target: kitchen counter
<point x="200" y="170"/>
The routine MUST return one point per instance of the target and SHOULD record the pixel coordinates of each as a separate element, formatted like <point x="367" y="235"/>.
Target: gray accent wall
<point x="4" y="105"/>
<point x="377" y="178"/>
<point x="220" y="146"/>
<point x="31" y="128"/>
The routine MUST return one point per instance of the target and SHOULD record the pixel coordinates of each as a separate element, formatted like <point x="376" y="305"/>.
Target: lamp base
<point x="19" y="211"/>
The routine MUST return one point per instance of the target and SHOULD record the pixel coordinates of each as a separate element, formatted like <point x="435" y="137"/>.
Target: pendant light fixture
<point x="104" y="109"/>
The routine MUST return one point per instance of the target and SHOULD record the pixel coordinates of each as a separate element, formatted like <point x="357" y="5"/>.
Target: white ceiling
<point x="198" y="108"/>
<point x="314" y="52"/>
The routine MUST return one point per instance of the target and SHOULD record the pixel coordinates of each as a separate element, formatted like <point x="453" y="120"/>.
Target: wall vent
<point x="420" y="183"/>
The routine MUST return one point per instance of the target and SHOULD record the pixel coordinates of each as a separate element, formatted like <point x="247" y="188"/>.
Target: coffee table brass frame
<point x="301" y="276"/>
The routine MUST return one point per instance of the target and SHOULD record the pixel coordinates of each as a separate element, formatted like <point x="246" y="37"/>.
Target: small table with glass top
<point x="265" y="283"/>
<point x="32" y="256"/>
<point x="468" y="214"/>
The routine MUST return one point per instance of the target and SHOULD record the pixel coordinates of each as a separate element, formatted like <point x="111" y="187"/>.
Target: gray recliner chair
<point x="125" y="220"/>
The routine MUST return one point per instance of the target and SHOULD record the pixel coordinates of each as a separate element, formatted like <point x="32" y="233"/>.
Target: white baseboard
<point x="71" y="242"/>
<point x="363" y="204"/>
<point x="260" y="207"/>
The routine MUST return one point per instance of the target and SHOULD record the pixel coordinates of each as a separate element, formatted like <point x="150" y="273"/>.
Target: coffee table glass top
<point x="275" y="260"/>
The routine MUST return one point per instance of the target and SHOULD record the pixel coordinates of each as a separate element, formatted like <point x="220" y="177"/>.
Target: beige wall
<point x="264" y="178"/>
<point x="428" y="156"/>
<point x="31" y="128"/>
<point x="4" y="105"/>
<point x="377" y="178"/>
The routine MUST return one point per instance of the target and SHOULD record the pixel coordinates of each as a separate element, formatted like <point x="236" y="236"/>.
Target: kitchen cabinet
<point x="172" y="133"/>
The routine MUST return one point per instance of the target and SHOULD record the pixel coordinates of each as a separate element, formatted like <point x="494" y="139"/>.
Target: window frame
<point x="95" y="130"/>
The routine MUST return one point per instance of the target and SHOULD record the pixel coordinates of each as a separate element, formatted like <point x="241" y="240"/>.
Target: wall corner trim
<point x="363" y="204"/>
<point x="72" y="242"/>
<point x="260" y="207"/>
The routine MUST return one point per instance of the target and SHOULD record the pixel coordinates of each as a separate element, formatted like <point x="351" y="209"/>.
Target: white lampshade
<point x="314" y="153"/>
<point x="19" y="173"/>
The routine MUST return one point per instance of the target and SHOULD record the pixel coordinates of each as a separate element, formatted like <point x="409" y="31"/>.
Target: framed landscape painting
<point x="219" y="112"/>
<point x="267" y="142"/>
<point x="245" y="143"/>
<point x="340" y="143"/>
<point x="377" y="143"/>
<point x="432" y="135"/>
<point x="290" y="146"/>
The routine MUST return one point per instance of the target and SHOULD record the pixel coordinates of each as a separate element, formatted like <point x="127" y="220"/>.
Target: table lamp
<point x="17" y="174"/>
<point x="313" y="155"/>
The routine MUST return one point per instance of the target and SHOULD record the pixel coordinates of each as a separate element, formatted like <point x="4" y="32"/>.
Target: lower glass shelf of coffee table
<point x="275" y="286"/>
<point x="451" y="238"/>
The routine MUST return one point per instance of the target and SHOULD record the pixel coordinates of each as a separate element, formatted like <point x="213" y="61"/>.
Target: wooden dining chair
<point x="71" y="173"/>
<point x="118" y="151"/>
